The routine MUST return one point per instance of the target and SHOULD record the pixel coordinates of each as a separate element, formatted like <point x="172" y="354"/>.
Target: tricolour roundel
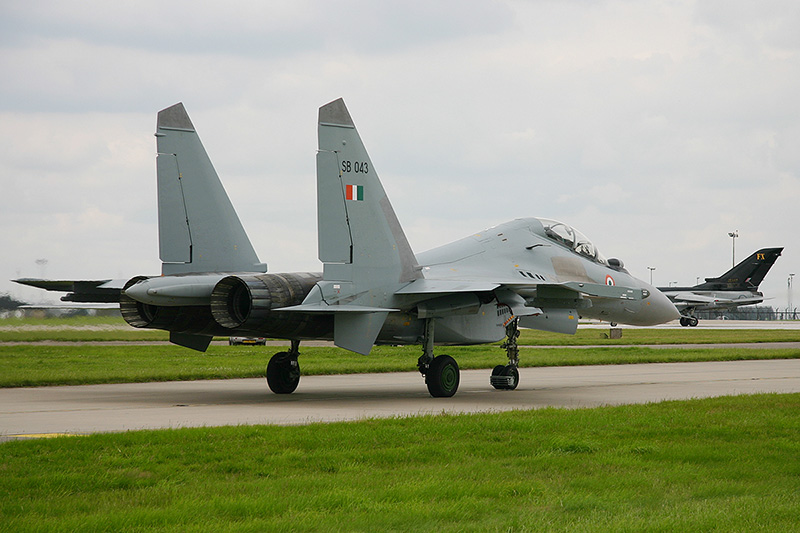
<point x="610" y="280"/>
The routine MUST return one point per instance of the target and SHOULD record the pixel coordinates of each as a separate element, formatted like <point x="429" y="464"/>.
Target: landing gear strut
<point x="283" y="370"/>
<point x="507" y="377"/>
<point x="441" y="373"/>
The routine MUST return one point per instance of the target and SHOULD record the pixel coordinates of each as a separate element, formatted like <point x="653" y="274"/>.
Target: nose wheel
<point x="507" y="377"/>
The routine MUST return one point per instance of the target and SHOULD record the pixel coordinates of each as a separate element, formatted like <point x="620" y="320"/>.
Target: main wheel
<point x="442" y="377"/>
<point x="283" y="373"/>
<point x="693" y="322"/>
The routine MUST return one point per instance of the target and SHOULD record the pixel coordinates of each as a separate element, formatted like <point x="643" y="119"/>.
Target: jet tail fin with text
<point x="365" y="254"/>
<point x="360" y="238"/>
<point x="747" y="275"/>
<point x="198" y="228"/>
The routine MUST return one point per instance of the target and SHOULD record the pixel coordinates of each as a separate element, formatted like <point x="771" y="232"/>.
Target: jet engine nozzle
<point x="253" y="303"/>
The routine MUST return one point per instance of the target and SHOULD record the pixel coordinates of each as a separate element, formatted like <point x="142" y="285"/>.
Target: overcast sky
<point x="655" y="127"/>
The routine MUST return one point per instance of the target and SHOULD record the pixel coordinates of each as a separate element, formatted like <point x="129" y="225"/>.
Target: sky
<point x="654" y="127"/>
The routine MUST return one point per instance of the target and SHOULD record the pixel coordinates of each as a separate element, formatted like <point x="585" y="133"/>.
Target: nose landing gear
<point x="507" y="377"/>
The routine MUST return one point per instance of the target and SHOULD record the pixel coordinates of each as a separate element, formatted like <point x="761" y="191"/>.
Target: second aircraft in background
<point x="736" y="287"/>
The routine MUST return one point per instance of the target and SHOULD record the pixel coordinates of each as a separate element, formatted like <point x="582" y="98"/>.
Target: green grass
<point x="75" y="329"/>
<point x="42" y="364"/>
<point x="37" y="365"/>
<point x="725" y="464"/>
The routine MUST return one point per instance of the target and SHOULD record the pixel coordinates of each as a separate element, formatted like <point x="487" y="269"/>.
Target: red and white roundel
<point x="610" y="280"/>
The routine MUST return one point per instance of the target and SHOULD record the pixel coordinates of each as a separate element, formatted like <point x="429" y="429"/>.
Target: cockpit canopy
<point x="571" y="238"/>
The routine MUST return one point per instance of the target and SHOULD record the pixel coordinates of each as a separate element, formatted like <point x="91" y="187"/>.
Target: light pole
<point x="651" y="273"/>
<point x="733" y="234"/>
<point x="789" y="284"/>
<point x="42" y="264"/>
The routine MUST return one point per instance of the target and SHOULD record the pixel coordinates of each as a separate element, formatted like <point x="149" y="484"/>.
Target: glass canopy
<point x="571" y="238"/>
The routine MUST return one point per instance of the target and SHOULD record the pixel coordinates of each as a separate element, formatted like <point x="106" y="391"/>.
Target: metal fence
<point x="751" y="313"/>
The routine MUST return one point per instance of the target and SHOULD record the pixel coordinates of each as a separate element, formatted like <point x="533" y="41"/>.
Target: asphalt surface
<point x="42" y="411"/>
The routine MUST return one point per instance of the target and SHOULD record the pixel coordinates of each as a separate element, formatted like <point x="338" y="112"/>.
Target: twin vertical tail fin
<point x="360" y="238"/>
<point x="748" y="274"/>
<point x="365" y="254"/>
<point x="198" y="228"/>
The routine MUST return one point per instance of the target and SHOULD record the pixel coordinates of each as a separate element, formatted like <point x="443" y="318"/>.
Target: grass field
<point x="36" y="365"/>
<point x="724" y="464"/>
<point x="81" y="363"/>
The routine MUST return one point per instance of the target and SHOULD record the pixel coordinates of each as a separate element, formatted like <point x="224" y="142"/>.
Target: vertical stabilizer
<point x="746" y="275"/>
<point x="360" y="238"/>
<point x="198" y="229"/>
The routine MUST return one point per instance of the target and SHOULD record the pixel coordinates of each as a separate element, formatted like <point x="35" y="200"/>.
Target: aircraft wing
<point x="694" y="298"/>
<point x="445" y="286"/>
<point x="684" y="300"/>
<point x="82" y="291"/>
<point x="434" y="286"/>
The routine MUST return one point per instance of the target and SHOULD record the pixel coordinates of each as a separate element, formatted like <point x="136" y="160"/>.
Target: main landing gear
<point x="442" y="375"/>
<point x="507" y="377"/>
<point x="283" y="370"/>
<point x="688" y="321"/>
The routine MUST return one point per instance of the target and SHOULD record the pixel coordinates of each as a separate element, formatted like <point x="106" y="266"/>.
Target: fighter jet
<point x="736" y="287"/>
<point x="373" y="289"/>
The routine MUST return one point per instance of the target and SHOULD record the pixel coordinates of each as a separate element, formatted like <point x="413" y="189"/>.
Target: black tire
<point x="443" y="377"/>
<point x="283" y="373"/>
<point x="507" y="370"/>
<point x="693" y="322"/>
<point x="514" y="373"/>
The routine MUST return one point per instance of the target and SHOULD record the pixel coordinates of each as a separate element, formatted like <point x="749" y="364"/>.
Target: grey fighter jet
<point x="373" y="289"/>
<point x="735" y="288"/>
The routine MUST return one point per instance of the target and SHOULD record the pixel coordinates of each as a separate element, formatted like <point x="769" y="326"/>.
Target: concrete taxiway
<point x="108" y="408"/>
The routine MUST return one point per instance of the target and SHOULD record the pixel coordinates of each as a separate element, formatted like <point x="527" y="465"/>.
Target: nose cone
<point x="656" y="308"/>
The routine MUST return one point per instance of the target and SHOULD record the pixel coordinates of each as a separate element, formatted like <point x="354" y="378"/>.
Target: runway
<point x="108" y="408"/>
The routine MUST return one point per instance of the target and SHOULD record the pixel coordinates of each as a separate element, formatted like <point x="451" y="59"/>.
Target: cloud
<point x="654" y="127"/>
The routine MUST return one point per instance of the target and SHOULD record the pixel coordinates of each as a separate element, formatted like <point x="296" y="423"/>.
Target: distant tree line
<point x="7" y="303"/>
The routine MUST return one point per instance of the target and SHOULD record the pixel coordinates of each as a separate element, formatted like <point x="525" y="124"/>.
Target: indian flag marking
<point x="354" y="192"/>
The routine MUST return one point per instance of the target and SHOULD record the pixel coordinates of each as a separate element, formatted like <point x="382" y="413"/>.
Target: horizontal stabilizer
<point x="81" y="291"/>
